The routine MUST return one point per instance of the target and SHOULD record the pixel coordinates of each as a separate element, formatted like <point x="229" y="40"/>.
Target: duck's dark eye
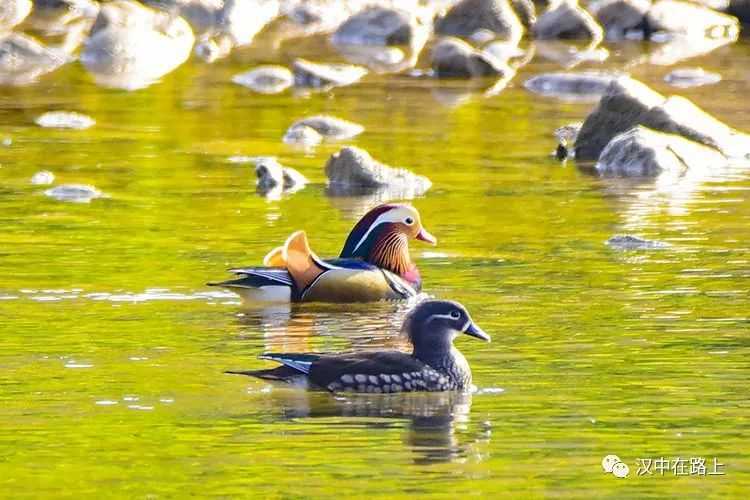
<point x="409" y="221"/>
<point x="455" y="314"/>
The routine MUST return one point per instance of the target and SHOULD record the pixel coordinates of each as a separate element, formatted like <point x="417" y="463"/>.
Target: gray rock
<point x="454" y="58"/>
<point x="618" y="17"/>
<point x="377" y="26"/>
<point x="266" y="79"/>
<point x="620" y="108"/>
<point x="353" y="169"/>
<point x="585" y="86"/>
<point x="43" y="177"/>
<point x="641" y="152"/>
<point x="330" y="127"/>
<point x="469" y="16"/>
<point x="691" y="20"/>
<point x="302" y="136"/>
<point x="324" y="76"/>
<point x="274" y="177"/>
<point x="680" y="47"/>
<point x="566" y="19"/>
<point x="132" y="46"/>
<point x="54" y="17"/>
<point x="691" y="77"/>
<point x="76" y="193"/>
<point x="23" y="59"/>
<point x="628" y="103"/>
<point x="65" y="119"/>
<point x="12" y="13"/>
<point x="630" y="242"/>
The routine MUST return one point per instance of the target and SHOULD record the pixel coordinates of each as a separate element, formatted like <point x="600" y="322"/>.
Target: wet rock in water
<point x="585" y="86"/>
<point x="641" y="152"/>
<point x="316" y="75"/>
<point x="621" y="107"/>
<point x="620" y="17"/>
<point x="680" y="47"/>
<point x="691" y="77"/>
<point x="13" y="12"/>
<point x="302" y="136"/>
<point x="568" y="54"/>
<point x="77" y="193"/>
<point x="65" y="119"/>
<point x="677" y="18"/>
<point x="470" y="16"/>
<point x="566" y="137"/>
<point x="329" y="127"/>
<point x="266" y="79"/>
<point x="379" y="59"/>
<point x="23" y="59"/>
<point x="132" y="46"/>
<point x="630" y="242"/>
<point x="43" y="177"/>
<point x="235" y="24"/>
<point x="377" y="26"/>
<point x="56" y="16"/>
<point x="353" y="170"/>
<point x="274" y="177"/>
<point x="454" y="58"/>
<point x="566" y="19"/>
<point x="628" y="103"/>
<point x="526" y="12"/>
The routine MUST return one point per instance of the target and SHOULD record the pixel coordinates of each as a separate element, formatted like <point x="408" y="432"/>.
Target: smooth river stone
<point x="266" y="79"/>
<point x="77" y="193"/>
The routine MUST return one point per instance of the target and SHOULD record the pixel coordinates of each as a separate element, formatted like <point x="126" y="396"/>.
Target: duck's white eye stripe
<point x="441" y="316"/>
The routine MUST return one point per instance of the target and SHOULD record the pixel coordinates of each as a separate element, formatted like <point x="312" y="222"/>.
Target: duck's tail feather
<point x="257" y="277"/>
<point x="303" y="265"/>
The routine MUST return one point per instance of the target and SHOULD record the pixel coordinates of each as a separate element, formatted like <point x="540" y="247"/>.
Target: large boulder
<point x="628" y="103"/>
<point x="688" y="19"/>
<point x="620" y="108"/>
<point x="454" y="58"/>
<point x="54" y="17"/>
<point x="566" y="19"/>
<point x="618" y="17"/>
<point x="468" y="17"/>
<point x="377" y="26"/>
<point x="132" y="46"/>
<point x="354" y="170"/>
<point x="640" y="152"/>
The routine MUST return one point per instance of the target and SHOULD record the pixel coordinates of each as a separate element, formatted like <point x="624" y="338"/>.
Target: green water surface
<point x="112" y="349"/>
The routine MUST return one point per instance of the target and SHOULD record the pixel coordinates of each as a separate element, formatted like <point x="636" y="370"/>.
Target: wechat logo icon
<point x="613" y="465"/>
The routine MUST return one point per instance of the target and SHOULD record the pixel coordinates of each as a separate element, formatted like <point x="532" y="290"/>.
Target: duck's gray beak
<point x="474" y="331"/>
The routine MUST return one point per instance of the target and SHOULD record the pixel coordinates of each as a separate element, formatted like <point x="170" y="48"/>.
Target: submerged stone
<point x="585" y="86"/>
<point x="275" y="179"/>
<point x="630" y="242"/>
<point x="65" y="119"/>
<point x="302" y="135"/>
<point x="77" y="193"/>
<point x="317" y="75"/>
<point x="691" y="77"/>
<point x="329" y="127"/>
<point x="266" y="79"/>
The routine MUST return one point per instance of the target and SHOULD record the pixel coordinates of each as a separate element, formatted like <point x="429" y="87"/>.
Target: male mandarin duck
<point x="374" y="264"/>
<point x="434" y="364"/>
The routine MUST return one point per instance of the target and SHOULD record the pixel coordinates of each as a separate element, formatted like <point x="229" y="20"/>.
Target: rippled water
<point x="112" y="349"/>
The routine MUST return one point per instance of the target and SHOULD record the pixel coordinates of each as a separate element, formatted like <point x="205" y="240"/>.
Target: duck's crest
<point x="351" y="249"/>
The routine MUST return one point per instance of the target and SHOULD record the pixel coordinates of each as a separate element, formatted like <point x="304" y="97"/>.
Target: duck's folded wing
<point x="257" y="277"/>
<point x="368" y="368"/>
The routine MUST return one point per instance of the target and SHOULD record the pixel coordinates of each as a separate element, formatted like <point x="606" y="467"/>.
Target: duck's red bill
<point x="424" y="235"/>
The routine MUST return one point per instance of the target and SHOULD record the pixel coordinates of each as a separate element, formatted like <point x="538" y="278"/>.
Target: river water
<point x="112" y="350"/>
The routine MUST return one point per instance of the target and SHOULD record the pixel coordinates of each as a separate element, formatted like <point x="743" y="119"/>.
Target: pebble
<point x="64" y="119"/>
<point x="43" y="177"/>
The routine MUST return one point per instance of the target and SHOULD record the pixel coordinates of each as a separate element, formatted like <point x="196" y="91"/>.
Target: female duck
<point x="374" y="264"/>
<point x="434" y="364"/>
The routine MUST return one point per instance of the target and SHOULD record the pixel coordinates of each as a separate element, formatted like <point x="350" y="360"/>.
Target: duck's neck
<point x="448" y="361"/>
<point x="391" y="252"/>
